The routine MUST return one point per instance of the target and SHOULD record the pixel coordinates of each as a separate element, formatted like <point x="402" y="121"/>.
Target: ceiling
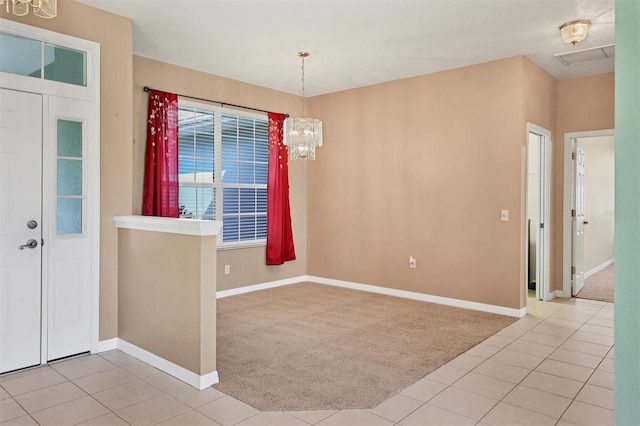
<point x="356" y="43"/>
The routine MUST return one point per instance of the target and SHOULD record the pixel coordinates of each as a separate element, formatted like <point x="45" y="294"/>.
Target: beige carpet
<point x="311" y="346"/>
<point x="599" y="286"/>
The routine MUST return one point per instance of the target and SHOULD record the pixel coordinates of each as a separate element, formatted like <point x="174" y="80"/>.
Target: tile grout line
<point x="85" y="392"/>
<point x="20" y="405"/>
<point x="590" y="375"/>
<point x="65" y="402"/>
<point x="534" y="369"/>
<point x="422" y="403"/>
<point x="517" y="406"/>
<point x="109" y="409"/>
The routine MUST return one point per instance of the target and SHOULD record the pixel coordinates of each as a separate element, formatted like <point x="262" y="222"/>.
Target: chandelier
<point x="41" y="8"/>
<point x="302" y="134"/>
<point x="574" y="31"/>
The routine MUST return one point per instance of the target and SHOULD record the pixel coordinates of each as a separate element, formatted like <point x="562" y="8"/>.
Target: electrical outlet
<point x="227" y="269"/>
<point x="412" y="262"/>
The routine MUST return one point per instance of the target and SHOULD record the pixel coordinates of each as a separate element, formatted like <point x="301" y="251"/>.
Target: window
<point x="222" y="168"/>
<point x="32" y="58"/>
<point x="69" y="177"/>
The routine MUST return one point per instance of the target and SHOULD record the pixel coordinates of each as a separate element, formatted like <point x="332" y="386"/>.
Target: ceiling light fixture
<point x="574" y="31"/>
<point x="302" y="135"/>
<point x="41" y="8"/>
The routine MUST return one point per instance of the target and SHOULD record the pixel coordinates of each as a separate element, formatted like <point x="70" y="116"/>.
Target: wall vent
<point x="587" y="55"/>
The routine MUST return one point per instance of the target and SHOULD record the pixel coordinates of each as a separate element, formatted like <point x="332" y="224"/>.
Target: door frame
<point x="91" y="93"/>
<point x="543" y="277"/>
<point x="567" y="197"/>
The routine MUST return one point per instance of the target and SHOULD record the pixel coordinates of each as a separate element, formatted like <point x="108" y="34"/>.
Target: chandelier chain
<point x="303" y="109"/>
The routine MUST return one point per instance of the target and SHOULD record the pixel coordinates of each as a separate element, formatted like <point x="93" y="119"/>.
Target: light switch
<point x="504" y="215"/>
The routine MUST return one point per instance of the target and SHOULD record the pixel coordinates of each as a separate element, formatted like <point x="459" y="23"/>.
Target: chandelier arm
<point x="41" y="8"/>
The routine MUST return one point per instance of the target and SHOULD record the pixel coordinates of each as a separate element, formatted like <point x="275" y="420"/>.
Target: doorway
<point x="49" y="196"/>
<point x="588" y="213"/>
<point x="537" y="241"/>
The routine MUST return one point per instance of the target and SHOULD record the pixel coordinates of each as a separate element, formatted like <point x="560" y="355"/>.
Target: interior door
<point x="20" y="229"/>
<point x="537" y="199"/>
<point x="578" y="220"/>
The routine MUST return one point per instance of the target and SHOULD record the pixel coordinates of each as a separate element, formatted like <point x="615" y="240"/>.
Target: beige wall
<point x="428" y="179"/>
<point x="540" y="96"/>
<point x="422" y="167"/>
<point x="114" y="35"/>
<point x="166" y="298"/>
<point x="247" y="265"/>
<point x="599" y="200"/>
<point x="585" y="103"/>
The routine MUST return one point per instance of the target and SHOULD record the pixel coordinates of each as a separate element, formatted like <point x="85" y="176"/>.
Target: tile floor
<point x="555" y="367"/>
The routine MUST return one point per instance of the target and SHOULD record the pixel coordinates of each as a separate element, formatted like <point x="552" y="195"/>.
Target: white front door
<point x="578" y="220"/>
<point x="20" y="229"/>
<point x="68" y="241"/>
<point x="45" y="228"/>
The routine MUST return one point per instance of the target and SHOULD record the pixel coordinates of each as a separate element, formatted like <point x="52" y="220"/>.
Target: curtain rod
<point x="147" y="89"/>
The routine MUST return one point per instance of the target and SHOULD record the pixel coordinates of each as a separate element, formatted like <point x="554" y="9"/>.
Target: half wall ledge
<point x="167" y="294"/>
<point x="200" y="228"/>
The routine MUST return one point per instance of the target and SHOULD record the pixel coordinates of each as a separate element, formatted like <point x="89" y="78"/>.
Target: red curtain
<point x="161" y="162"/>
<point x="279" y="235"/>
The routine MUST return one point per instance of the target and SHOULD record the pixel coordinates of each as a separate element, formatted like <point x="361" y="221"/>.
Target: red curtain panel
<point x="161" y="161"/>
<point x="279" y="235"/>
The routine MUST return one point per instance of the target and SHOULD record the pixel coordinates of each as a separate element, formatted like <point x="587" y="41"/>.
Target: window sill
<point x="242" y="245"/>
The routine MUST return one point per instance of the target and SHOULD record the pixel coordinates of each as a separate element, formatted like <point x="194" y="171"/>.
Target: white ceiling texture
<point x="356" y="43"/>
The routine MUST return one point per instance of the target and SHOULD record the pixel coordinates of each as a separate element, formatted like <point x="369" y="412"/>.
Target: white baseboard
<point x="519" y="313"/>
<point x="598" y="268"/>
<point x="557" y="293"/>
<point x="108" y="345"/>
<point x="195" y="380"/>
<point x="202" y="382"/>
<point x="249" y="288"/>
<point x="494" y="309"/>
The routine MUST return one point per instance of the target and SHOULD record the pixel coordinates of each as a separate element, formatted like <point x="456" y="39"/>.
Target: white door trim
<point x="545" y="191"/>
<point x="89" y="93"/>
<point x="566" y="203"/>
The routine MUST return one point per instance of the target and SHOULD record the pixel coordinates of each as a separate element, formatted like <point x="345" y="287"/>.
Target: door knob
<point x="30" y="244"/>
